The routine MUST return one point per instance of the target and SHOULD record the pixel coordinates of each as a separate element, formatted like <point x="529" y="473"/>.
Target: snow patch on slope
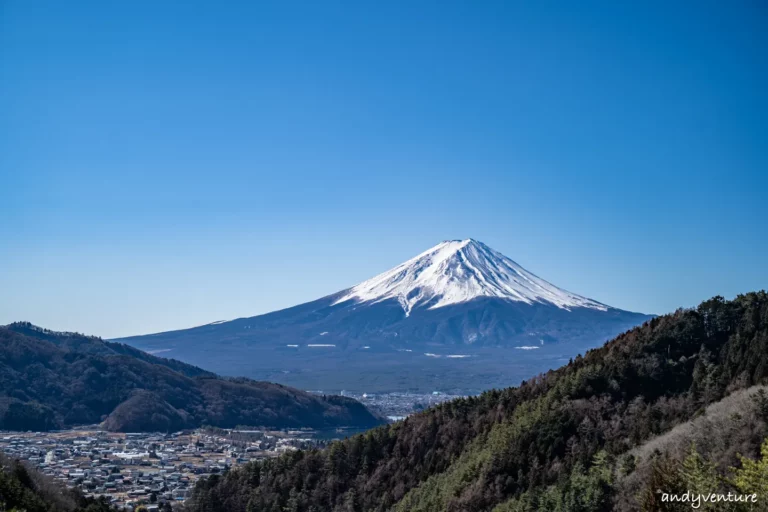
<point x="457" y="271"/>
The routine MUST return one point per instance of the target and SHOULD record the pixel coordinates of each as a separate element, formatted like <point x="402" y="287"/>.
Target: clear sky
<point x="168" y="164"/>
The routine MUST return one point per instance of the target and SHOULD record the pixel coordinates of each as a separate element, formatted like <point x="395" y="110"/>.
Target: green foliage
<point x="695" y="475"/>
<point x="752" y="478"/>
<point x="583" y="491"/>
<point x="700" y="476"/>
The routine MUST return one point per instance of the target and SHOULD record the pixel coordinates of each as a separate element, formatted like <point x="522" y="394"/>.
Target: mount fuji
<point x="460" y="296"/>
<point x="458" y="271"/>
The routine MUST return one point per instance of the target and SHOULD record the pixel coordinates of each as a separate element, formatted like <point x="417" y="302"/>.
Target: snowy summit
<point x="457" y="271"/>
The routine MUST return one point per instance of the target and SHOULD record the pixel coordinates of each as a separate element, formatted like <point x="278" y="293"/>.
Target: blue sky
<point x="168" y="164"/>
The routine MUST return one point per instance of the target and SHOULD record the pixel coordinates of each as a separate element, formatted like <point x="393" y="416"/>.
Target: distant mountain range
<point x="459" y="296"/>
<point x="50" y="380"/>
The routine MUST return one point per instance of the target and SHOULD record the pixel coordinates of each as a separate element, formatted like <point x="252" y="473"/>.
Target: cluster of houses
<point x="146" y="471"/>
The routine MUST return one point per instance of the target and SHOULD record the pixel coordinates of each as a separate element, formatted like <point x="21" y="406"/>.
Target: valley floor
<point x="451" y="370"/>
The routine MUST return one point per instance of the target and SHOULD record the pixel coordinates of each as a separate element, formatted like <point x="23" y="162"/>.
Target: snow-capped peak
<point x="457" y="271"/>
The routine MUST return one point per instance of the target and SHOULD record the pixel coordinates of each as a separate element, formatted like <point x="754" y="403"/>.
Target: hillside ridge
<point x="52" y="380"/>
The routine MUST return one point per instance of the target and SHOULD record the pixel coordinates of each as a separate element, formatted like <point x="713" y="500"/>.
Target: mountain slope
<point x="50" y="380"/>
<point x="477" y="453"/>
<point x="461" y="297"/>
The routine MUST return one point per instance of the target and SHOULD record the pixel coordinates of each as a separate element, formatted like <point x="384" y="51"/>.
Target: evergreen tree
<point x="752" y="478"/>
<point x="700" y="477"/>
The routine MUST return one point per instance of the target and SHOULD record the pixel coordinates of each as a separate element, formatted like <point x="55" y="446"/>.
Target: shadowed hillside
<point x="51" y="380"/>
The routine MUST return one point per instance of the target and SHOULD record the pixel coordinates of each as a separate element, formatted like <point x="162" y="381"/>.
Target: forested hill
<point x="80" y="343"/>
<point x="558" y="442"/>
<point x="24" y="489"/>
<point x="52" y="380"/>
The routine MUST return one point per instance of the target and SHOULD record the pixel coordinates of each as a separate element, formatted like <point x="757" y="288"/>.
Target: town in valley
<point x="156" y="470"/>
